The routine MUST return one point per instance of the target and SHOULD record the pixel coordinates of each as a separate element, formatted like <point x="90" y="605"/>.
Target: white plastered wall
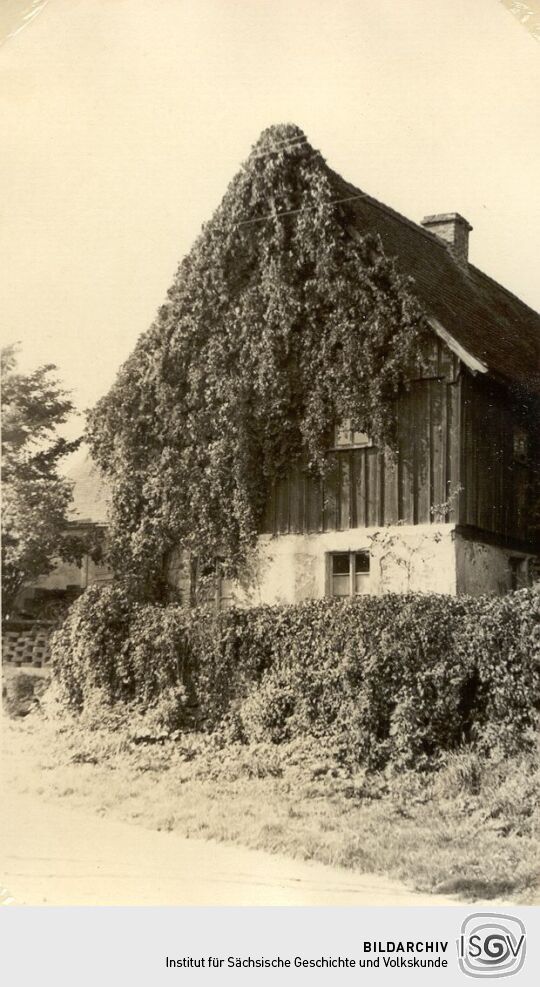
<point x="291" y="568"/>
<point x="430" y="558"/>
<point x="488" y="569"/>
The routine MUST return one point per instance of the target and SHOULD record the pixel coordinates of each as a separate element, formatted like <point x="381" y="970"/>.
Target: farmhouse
<point x="449" y="506"/>
<point x="456" y="510"/>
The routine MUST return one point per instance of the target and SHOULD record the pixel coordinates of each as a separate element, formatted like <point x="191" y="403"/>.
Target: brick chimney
<point x="454" y="230"/>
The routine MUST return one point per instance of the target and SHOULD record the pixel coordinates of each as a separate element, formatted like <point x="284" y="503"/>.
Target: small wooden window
<point x="361" y="572"/>
<point x="348" y="573"/>
<point x="203" y="582"/>
<point x="346" y="438"/>
<point x="519" y="572"/>
<point x="225" y="595"/>
<point x="209" y="585"/>
<point x="341" y="574"/>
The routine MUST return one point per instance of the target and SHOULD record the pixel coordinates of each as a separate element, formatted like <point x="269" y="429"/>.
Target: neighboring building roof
<point x="483" y="317"/>
<point x="91" y="493"/>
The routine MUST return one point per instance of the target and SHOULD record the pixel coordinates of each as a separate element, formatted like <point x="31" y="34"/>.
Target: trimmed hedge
<point x="392" y="679"/>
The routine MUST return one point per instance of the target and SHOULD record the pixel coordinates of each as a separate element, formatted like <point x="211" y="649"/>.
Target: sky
<point x="124" y="121"/>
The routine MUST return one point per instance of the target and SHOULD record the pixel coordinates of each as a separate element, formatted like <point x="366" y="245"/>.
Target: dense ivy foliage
<point x="395" y="679"/>
<point x="281" y="320"/>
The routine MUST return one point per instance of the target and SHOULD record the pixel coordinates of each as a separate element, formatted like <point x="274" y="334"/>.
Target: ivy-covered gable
<point x="279" y="323"/>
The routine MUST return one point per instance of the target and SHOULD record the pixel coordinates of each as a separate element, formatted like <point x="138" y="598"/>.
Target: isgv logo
<point x="491" y="945"/>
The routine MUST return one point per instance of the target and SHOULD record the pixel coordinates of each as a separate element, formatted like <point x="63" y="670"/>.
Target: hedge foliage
<point x="392" y="679"/>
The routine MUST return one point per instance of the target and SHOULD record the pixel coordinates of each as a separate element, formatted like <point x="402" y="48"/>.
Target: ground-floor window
<point x="348" y="573"/>
<point x="520" y="572"/>
<point x="225" y="594"/>
<point x="209" y="585"/>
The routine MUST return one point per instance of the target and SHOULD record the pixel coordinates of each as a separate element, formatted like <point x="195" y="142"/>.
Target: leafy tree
<point x="35" y="498"/>
<point x="281" y="320"/>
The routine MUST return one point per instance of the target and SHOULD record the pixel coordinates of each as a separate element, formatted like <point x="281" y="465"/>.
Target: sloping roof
<point x="483" y="317"/>
<point x="91" y="494"/>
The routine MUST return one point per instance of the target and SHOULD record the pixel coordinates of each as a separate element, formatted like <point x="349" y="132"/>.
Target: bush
<point x="505" y="644"/>
<point x="120" y="648"/>
<point x="395" y="680"/>
<point x="22" y="691"/>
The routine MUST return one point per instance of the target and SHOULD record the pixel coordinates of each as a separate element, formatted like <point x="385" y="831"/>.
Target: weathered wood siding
<point x="369" y="487"/>
<point x="455" y="462"/>
<point x="499" y="490"/>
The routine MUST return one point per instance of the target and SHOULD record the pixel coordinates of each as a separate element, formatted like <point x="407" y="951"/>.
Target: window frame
<point x="520" y="576"/>
<point x="366" y="442"/>
<point x="218" y="589"/>
<point x="352" y="574"/>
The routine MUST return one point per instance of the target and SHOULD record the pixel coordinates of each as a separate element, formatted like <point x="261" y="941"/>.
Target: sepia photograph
<point x="271" y="457"/>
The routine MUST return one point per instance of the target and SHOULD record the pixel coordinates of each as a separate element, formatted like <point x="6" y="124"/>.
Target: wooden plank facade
<point x="499" y="462"/>
<point x="456" y="463"/>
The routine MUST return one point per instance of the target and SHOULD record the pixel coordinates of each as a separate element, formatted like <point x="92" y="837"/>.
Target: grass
<point x="470" y="829"/>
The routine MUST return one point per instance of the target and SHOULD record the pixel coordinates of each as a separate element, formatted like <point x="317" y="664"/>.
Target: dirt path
<point x="54" y="855"/>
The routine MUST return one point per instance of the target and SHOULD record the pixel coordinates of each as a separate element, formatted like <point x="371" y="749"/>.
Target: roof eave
<point x="472" y="362"/>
